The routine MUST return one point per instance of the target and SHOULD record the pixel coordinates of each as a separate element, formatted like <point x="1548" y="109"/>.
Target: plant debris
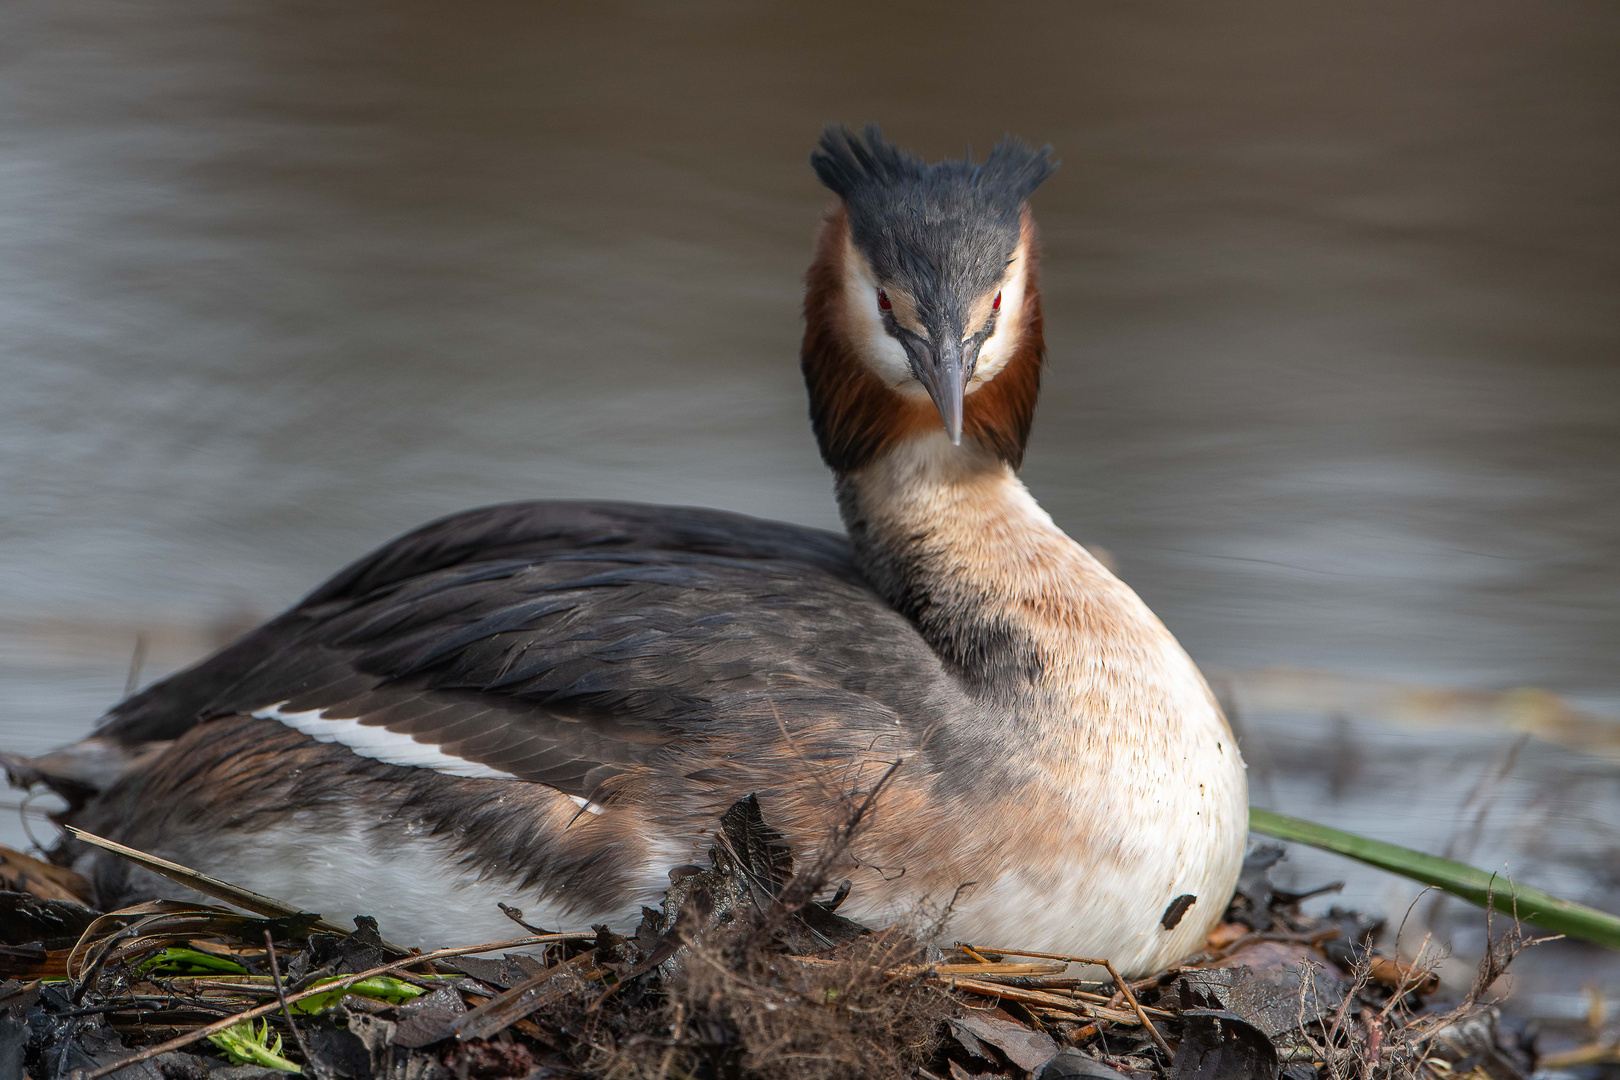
<point x="746" y="971"/>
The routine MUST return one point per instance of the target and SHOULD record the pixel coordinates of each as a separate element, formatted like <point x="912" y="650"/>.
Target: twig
<point x="516" y="915"/>
<point x="1124" y="987"/>
<point x="1136" y="1006"/>
<point x="262" y="1010"/>
<point x="242" y="989"/>
<point x="1307" y="982"/>
<point x="1038" y="997"/>
<point x="139" y="1005"/>
<point x="980" y="971"/>
<point x="281" y="996"/>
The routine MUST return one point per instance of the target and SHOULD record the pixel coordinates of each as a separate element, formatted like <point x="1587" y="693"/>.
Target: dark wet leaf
<point x="648" y="930"/>
<point x="614" y="950"/>
<point x="1475" y="1040"/>
<point x="13" y="1043"/>
<point x="348" y="954"/>
<point x="337" y="1051"/>
<point x="815" y="927"/>
<point x="182" y="1066"/>
<point x="1074" y="1065"/>
<point x="67" y="1043"/>
<point x="429" y="1019"/>
<point x="231" y="1072"/>
<point x="16" y="994"/>
<point x="375" y="1034"/>
<point x="1219" y="1045"/>
<point x="754" y="850"/>
<point x="1251" y="904"/>
<point x="507" y="1008"/>
<point x="1357" y="935"/>
<point x="1265" y="988"/>
<point x="749" y="861"/>
<point x="289" y="927"/>
<point x="26" y="961"/>
<point x="56" y="923"/>
<point x="1024" y="1047"/>
<point x="507" y="972"/>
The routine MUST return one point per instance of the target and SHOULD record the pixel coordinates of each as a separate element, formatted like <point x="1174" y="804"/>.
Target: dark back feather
<point x="488" y="537"/>
<point x="568" y="643"/>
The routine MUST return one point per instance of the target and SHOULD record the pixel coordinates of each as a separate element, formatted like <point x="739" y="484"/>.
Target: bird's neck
<point x="1028" y="619"/>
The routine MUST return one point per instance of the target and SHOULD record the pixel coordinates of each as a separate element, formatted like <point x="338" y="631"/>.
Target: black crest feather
<point x="944" y="232"/>
<point x="852" y="165"/>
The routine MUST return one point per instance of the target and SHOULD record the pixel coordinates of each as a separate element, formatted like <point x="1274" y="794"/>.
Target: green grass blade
<point x="1472" y="884"/>
<point x="245" y="1044"/>
<point x="177" y="960"/>
<point x="379" y="988"/>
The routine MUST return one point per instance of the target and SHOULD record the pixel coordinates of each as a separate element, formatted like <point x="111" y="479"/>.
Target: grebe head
<point x="922" y="298"/>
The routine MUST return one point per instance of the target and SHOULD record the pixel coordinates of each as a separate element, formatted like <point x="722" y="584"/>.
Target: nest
<point x="746" y="971"/>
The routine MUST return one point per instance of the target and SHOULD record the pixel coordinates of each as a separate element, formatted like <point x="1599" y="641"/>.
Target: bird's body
<point x="551" y="704"/>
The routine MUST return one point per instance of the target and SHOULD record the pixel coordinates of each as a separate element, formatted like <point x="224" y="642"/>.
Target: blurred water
<point x="1331" y="291"/>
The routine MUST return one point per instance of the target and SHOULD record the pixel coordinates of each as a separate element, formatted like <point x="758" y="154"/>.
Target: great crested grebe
<point x="550" y="704"/>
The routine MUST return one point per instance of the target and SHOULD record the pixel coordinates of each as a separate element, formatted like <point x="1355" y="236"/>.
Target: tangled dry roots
<point x="740" y="1008"/>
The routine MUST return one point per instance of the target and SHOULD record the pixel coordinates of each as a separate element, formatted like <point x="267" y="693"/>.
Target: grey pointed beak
<point x="944" y="376"/>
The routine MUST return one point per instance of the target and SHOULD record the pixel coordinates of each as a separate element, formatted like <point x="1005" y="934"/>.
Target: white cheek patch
<point x="881" y="352"/>
<point x="1001" y="345"/>
<point x="380" y="744"/>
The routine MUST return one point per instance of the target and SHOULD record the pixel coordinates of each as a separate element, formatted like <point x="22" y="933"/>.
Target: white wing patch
<point x="393" y="747"/>
<point x="378" y="743"/>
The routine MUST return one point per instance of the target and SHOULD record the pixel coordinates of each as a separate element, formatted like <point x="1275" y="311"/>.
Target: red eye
<point x="995" y="305"/>
<point x="883" y="300"/>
